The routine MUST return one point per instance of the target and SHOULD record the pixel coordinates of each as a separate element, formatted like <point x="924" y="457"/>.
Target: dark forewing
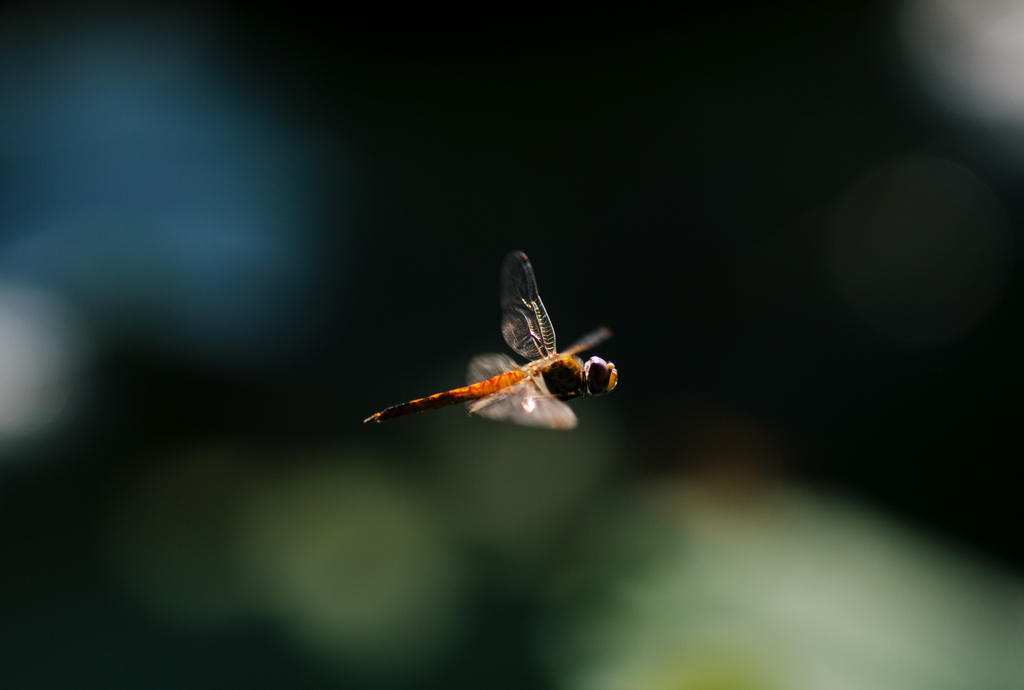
<point x="590" y="340"/>
<point x="524" y="321"/>
<point x="528" y="404"/>
<point x="483" y="367"/>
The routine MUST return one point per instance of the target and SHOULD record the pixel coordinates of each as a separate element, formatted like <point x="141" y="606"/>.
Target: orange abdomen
<point x="452" y="397"/>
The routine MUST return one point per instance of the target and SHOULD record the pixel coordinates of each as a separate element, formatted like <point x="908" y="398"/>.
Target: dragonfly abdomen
<point x="452" y="397"/>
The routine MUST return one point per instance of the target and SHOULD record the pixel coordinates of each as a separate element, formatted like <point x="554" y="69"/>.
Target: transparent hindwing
<point x="483" y="367"/>
<point x="527" y="403"/>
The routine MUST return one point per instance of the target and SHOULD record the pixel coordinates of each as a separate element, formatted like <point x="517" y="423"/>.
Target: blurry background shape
<point x="144" y="184"/>
<point x="512" y="490"/>
<point x="786" y="590"/>
<point x="353" y="563"/>
<point x="968" y="53"/>
<point x="168" y="536"/>
<point x="922" y="249"/>
<point x="43" y="347"/>
<point x="745" y="581"/>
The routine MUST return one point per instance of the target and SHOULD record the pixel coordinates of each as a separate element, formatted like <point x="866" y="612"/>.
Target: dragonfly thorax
<point x="565" y="378"/>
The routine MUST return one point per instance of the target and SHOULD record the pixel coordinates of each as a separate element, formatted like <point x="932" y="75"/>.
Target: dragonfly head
<point x="601" y="376"/>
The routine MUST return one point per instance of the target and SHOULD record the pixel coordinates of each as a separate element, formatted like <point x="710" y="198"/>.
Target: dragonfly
<point x="531" y="394"/>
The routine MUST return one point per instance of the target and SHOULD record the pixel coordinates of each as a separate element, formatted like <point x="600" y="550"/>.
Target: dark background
<point x="675" y="178"/>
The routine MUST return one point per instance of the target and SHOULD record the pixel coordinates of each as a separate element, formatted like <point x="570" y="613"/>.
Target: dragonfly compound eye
<point x="598" y="376"/>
